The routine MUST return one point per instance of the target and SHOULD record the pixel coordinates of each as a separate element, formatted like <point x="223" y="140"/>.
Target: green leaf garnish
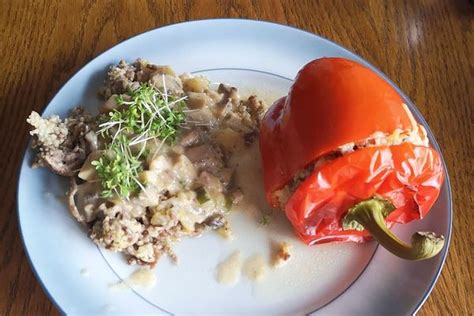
<point x="147" y="114"/>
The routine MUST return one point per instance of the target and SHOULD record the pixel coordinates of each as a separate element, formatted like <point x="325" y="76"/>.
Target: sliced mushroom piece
<point x="65" y="162"/>
<point x="84" y="201"/>
<point x="228" y="93"/>
<point x="206" y="157"/>
<point x="159" y="81"/>
<point x="88" y="171"/>
<point x="109" y="105"/>
<point x="92" y="141"/>
<point x="215" y="221"/>
<point x="192" y="138"/>
<point x="72" y="203"/>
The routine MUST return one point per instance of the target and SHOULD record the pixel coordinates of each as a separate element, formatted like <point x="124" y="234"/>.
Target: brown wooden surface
<point x="426" y="47"/>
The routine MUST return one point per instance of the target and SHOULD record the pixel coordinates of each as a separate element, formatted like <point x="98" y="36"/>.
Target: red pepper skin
<point x="407" y="175"/>
<point x="334" y="101"/>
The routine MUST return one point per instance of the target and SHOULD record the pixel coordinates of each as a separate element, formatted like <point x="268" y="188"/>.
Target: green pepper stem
<point x="369" y="214"/>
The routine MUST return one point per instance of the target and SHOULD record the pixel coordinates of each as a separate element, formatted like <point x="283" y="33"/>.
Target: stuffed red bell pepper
<point x="344" y="157"/>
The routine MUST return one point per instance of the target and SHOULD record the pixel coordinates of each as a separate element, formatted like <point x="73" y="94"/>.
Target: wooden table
<point x="426" y="47"/>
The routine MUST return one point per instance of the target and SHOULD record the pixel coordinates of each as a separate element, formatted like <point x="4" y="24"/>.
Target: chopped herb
<point x="265" y="220"/>
<point x="228" y="202"/>
<point x="201" y="195"/>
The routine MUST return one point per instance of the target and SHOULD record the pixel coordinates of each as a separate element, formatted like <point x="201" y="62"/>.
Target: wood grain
<point x="426" y="47"/>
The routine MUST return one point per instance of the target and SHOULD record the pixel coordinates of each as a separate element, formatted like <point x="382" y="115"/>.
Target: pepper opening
<point x="369" y="214"/>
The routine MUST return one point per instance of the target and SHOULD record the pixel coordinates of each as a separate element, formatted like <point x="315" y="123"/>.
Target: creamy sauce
<point x="309" y="268"/>
<point x="122" y="285"/>
<point x="249" y="178"/>
<point x="61" y="198"/>
<point x="142" y="277"/>
<point x="228" y="271"/>
<point x="254" y="268"/>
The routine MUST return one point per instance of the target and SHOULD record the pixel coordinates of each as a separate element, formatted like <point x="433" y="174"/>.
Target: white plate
<point x="336" y="279"/>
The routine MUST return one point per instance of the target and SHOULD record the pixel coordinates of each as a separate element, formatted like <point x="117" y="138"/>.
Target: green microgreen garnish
<point x="118" y="170"/>
<point x="143" y="114"/>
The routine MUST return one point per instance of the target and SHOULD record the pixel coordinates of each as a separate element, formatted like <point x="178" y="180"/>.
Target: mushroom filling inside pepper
<point x="415" y="136"/>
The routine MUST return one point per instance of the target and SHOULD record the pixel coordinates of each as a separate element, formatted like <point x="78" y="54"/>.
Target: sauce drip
<point x="142" y="277"/>
<point x="228" y="271"/>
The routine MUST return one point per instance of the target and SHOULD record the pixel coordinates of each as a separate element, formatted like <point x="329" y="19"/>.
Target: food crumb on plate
<point x="282" y="254"/>
<point x="226" y="231"/>
<point x="142" y="277"/>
